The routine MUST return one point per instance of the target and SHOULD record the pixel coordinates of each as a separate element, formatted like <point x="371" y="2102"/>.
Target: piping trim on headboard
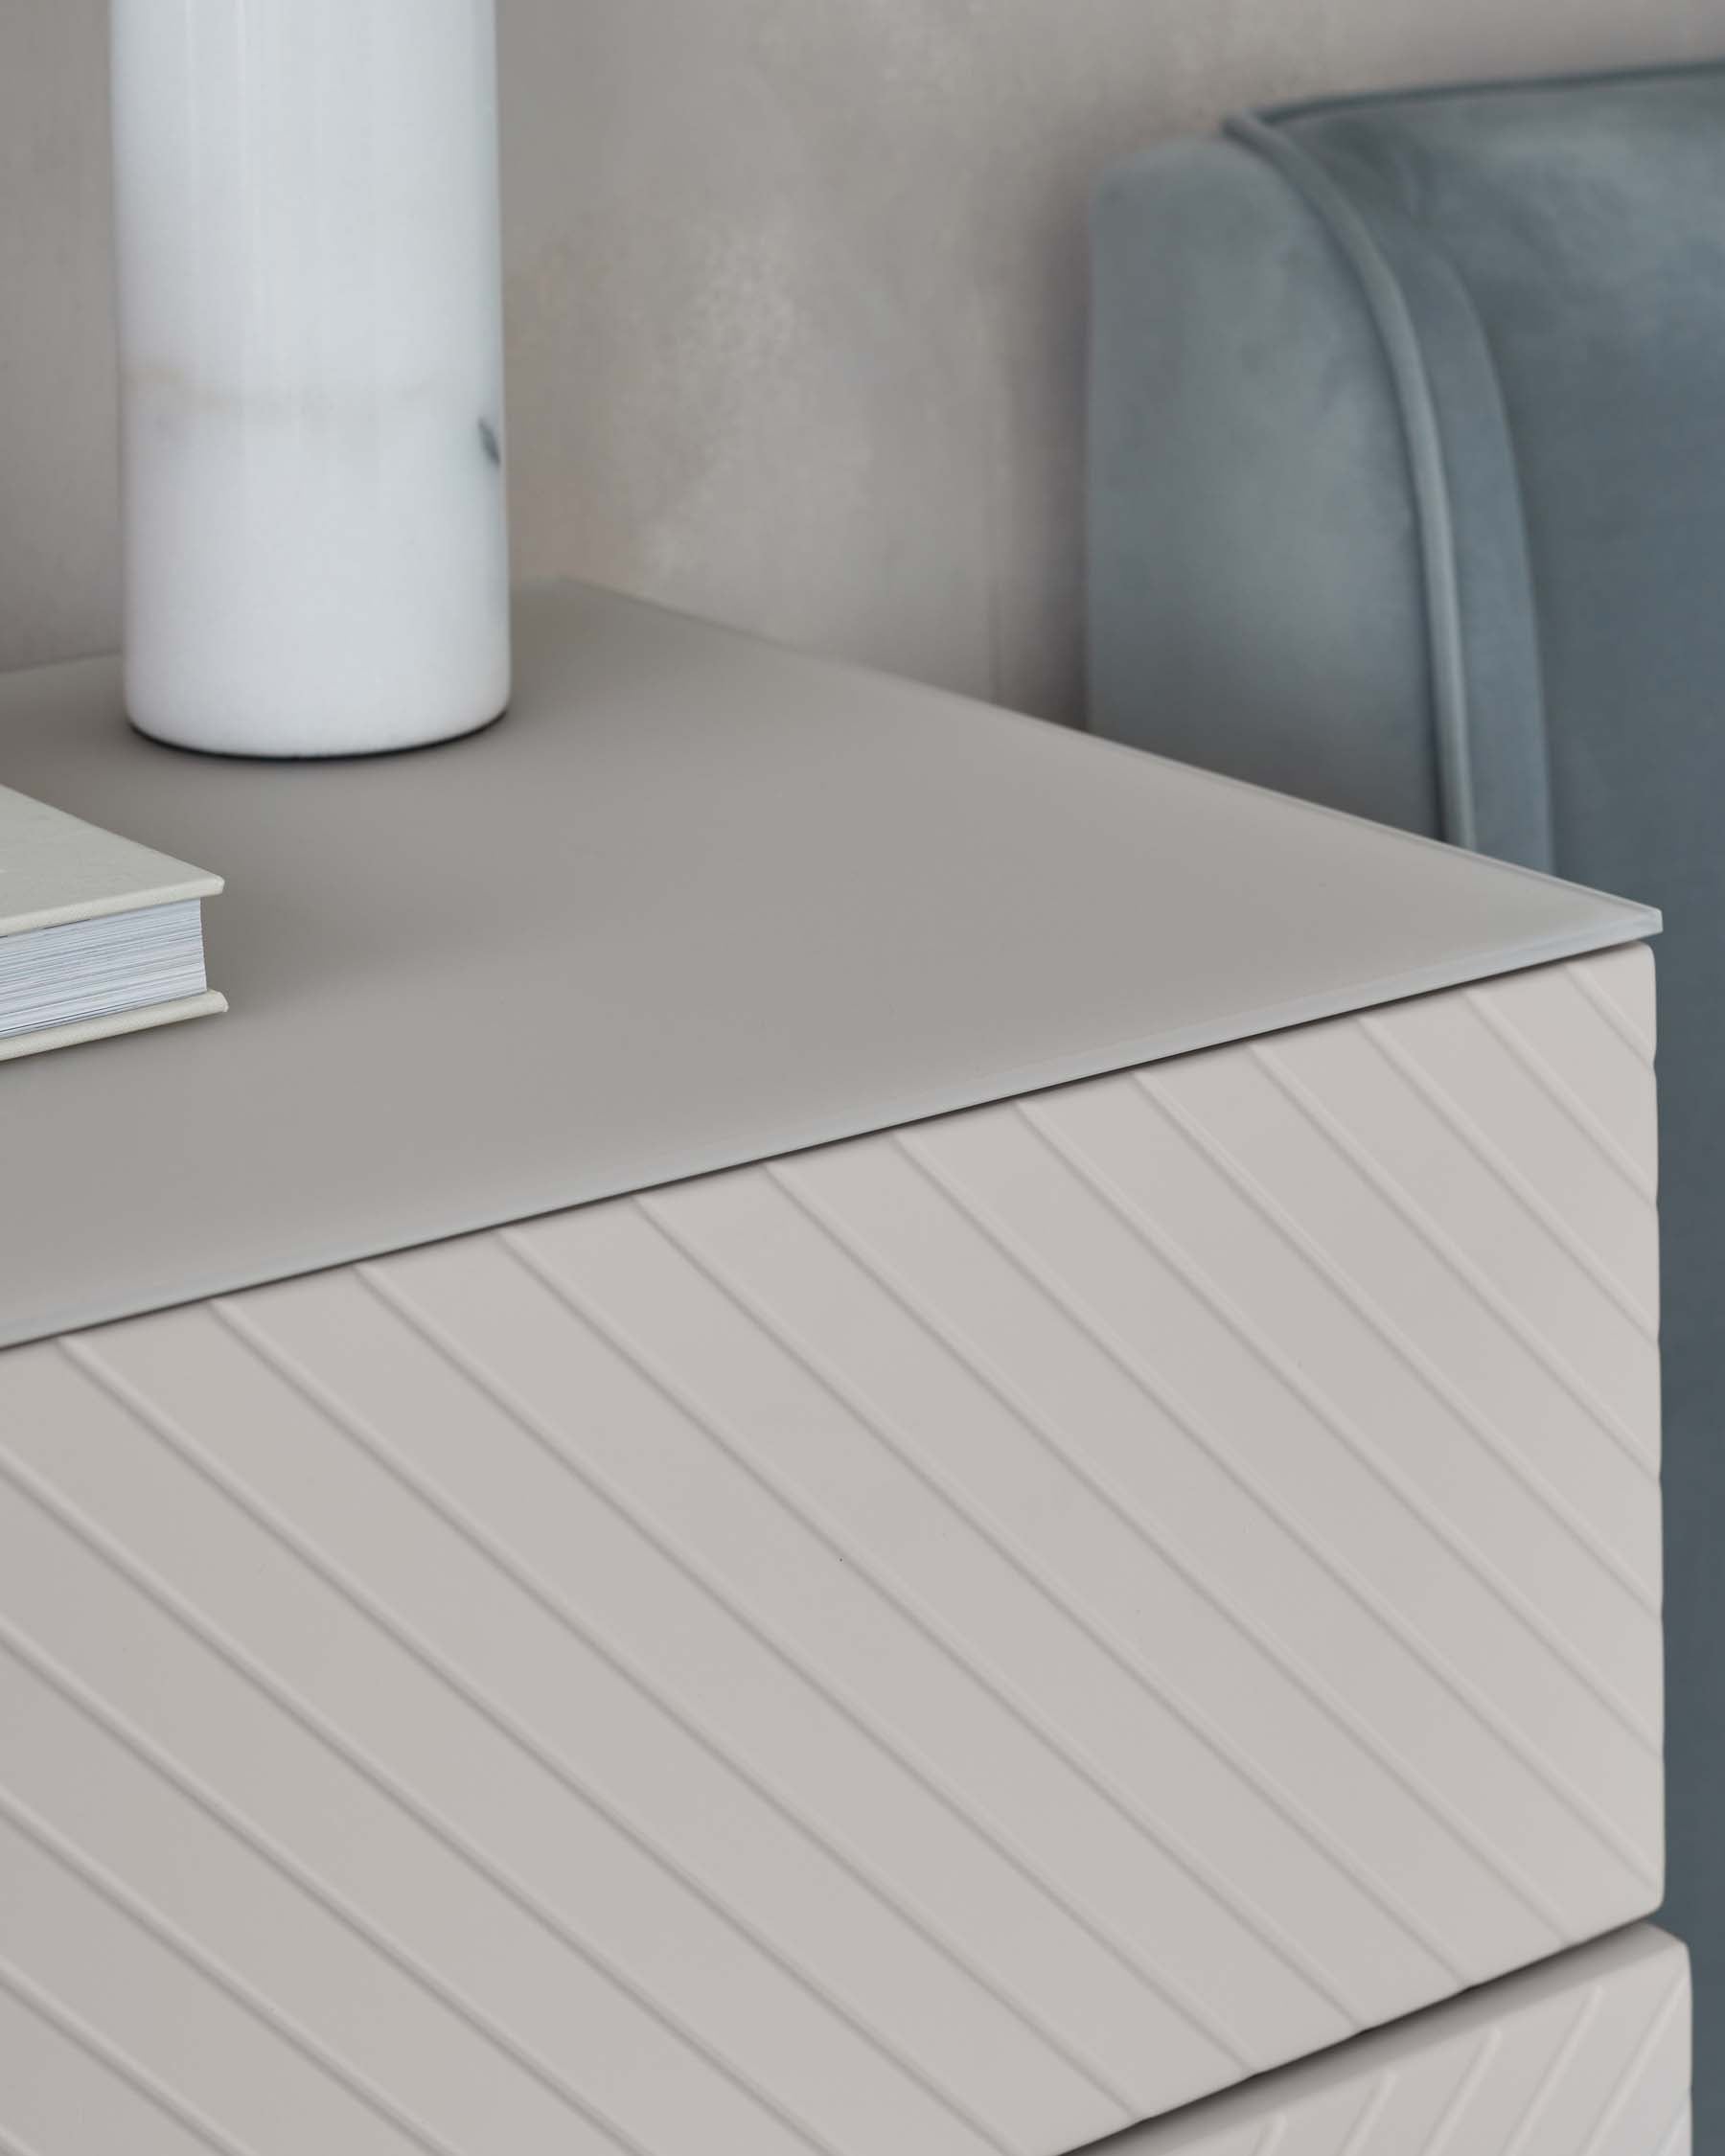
<point x="1430" y="480"/>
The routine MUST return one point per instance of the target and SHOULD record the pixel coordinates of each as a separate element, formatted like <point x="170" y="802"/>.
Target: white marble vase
<point x="317" y="550"/>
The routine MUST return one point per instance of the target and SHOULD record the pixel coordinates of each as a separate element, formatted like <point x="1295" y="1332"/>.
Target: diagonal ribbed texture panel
<point x="951" y="1643"/>
<point x="1587" y="2055"/>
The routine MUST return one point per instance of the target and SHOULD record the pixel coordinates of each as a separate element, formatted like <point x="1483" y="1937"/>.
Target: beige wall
<point x="795" y="290"/>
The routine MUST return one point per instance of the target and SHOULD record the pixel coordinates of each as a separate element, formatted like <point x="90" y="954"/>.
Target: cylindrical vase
<point x="312" y="372"/>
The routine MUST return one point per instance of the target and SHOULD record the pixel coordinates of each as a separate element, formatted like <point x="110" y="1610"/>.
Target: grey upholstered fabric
<point x="1408" y="493"/>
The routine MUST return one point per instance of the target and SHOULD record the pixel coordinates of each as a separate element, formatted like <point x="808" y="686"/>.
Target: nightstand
<point x="831" y="1422"/>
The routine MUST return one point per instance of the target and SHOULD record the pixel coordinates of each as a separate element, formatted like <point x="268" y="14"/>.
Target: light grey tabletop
<point x="695" y="902"/>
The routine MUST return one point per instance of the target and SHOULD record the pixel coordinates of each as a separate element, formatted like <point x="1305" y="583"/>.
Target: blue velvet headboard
<point x="1407" y="493"/>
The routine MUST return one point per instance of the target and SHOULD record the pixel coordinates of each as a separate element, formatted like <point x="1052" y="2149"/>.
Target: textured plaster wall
<point x="795" y="290"/>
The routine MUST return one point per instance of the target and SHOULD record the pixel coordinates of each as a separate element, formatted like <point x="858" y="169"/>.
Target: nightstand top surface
<point x="697" y="902"/>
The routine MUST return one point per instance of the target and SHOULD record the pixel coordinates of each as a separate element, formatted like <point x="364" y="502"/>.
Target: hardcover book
<point x="98" y="935"/>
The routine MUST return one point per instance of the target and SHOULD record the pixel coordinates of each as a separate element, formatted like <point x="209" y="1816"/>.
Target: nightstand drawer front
<point x="1587" y="2055"/>
<point x="957" y="1640"/>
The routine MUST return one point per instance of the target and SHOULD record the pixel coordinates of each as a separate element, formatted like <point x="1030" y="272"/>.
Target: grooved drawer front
<point x="1587" y="2055"/>
<point x="954" y="1643"/>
